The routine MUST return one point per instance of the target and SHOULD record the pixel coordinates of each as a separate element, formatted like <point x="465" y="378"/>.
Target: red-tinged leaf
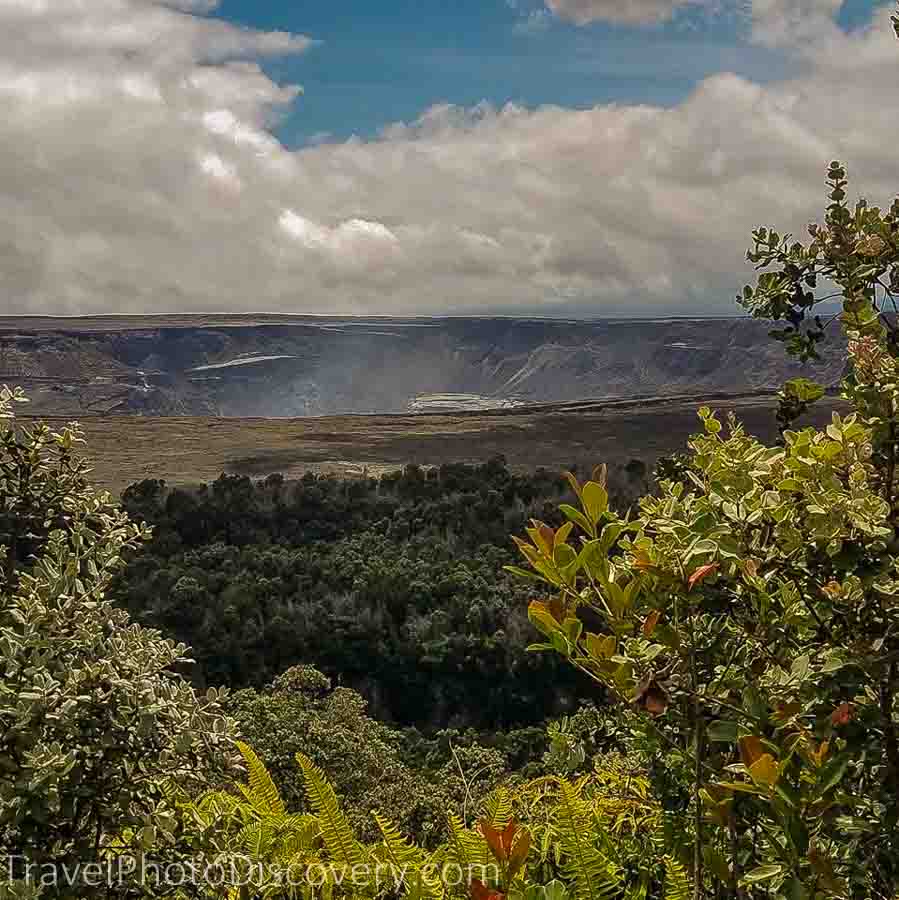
<point x="519" y="853"/>
<point x="751" y="750"/>
<point x="651" y="697"/>
<point x="542" y="536"/>
<point x="825" y="872"/>
<point x="842" y="715"/>
<point x="787" y="711"/>
<point x="480" y="891"/>
<point x="558" y="609"/>
<point x="649" y="625"/>
<point x="494" y="840"/>
<point x="548" y="535"/>
<point x="700" y="574"/>
<point x="507" y="837"/>
<point x="656" y="702"/>
<point x="540" y="615"/>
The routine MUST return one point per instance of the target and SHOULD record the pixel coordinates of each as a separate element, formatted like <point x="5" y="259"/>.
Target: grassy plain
<point x="187" y="450"/>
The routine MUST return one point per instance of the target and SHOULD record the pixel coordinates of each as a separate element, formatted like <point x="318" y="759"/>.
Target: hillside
<point x="305" y="365"/>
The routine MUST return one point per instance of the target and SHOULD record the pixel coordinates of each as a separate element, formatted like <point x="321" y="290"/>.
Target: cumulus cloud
<point x="138" y="172"/>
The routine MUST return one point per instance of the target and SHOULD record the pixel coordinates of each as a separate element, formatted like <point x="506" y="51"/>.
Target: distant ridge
<point x="205" y="320"/>
<point x="307" y="365"/>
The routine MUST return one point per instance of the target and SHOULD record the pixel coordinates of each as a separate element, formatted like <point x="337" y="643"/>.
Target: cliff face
<point x="297" y="366"/>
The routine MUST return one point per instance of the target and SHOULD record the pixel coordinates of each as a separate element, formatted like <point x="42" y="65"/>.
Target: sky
<point x="425" y="157"/>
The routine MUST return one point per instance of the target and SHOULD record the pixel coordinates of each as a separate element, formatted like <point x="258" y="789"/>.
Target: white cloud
<point x="140" y="175"/>
<point x="773" y="22"/>
<point x="796" y="23"/>
<point x="355" y="245"/>
<point x="623" y="12"/>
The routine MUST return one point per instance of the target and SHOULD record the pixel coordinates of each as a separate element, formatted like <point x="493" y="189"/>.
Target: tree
<point x="96" y="729"/>
<point x="750" y="611"/>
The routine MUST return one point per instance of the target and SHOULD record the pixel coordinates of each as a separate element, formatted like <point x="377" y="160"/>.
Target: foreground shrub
<point x="750" y="611"/>
<point x="96" y="729"/>
<point x="556" y="838"/>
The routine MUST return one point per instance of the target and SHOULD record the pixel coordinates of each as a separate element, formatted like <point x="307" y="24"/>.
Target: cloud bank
<point x="138" y="174"/>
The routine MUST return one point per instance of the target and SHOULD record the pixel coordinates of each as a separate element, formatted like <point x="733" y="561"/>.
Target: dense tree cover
<point x="395" y="586"/>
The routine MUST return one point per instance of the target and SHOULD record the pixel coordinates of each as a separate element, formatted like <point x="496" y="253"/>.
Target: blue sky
<point x="379" y="63"/>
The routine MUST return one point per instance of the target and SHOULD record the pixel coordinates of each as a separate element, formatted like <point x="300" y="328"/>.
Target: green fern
<point x="215" y="805"/>
<point x="400" y="852"/>
<point x="467" y="848"/>
<point x="257" y="838"/>
<point x="410" y="860"/>
<point x="261" y="793"/>
<point x="279" y="839"/>
<point x="498" y="807"/>
<point x="677" y="883"/>
<point x="299" y="835"/>
<point x="338" y="837"/>
<point x="589" y="831"/>
<point x="590" y="872"/>
<point x="637" y="891"/>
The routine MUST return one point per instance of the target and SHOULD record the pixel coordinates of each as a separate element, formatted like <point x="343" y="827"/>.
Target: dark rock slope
<point x="297" y="366"/>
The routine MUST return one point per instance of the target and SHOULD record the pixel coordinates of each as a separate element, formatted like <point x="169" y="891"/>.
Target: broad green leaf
<point x="832" y="772"/>
<point x="723" y="732"/>
<point x="765" y="771"/>
<point x="763" y="873"/>
<point x="596" y="501"/>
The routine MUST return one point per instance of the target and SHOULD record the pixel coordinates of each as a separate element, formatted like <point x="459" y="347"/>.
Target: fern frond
<point x="296" y="868"/>
<point x="216" y="804"/>
<point x="409" y="862"/>
<point x="257" y="838"/>
<point x="400" y="852"/>
<point x="538" y="789"/>
<point x="592" y="875"/>
<point x="677" y="883"/>
<point x="338" y="837"/>
<point x="498" y="807"/>
<point x="299" y="834"/>
<point x="261" y="794"/>
<point x="637" y="891"/>
<point x="466" y="848"/>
